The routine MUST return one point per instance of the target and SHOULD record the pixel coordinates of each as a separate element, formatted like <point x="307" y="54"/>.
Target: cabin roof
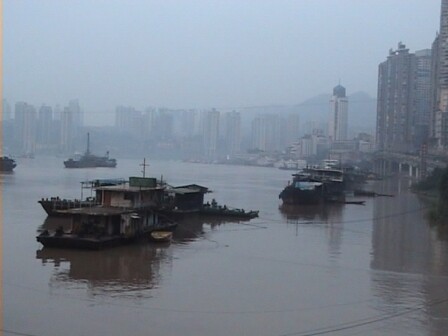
<point x="127" y="188"/>
<point x="98" y="211"/>
<point x="190" y="188"/>
<point x="186" y="191"/>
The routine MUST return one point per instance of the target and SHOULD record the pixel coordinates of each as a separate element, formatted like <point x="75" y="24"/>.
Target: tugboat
<point x="7" y="164"/>
<point x="89" y="160"/>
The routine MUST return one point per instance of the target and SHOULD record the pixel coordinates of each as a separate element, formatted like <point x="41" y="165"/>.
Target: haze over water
<point x="377" y="269"/>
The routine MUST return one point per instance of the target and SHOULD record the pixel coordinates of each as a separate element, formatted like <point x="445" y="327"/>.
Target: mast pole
<point x="88" y="143"/>
<point x="144" y="167"/>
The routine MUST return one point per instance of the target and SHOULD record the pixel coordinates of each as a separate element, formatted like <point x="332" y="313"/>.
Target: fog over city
<point x="224" y="167"/>
<point x="201" y="54"/>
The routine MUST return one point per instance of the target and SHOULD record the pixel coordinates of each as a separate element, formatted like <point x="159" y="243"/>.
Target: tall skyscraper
<point x="439" y="79"/>
<point x="164" y="125"/>
<point x="232" y="132"/>
<point x="44" y="125"/>
<point x="71" y="123"/>
<point x="128" y="120"/>
<point x="292" y="128"/>
<point x="396" y="101"/>
<point x="6" y="112"/>
<point x="188" y="123"/>
<point x="422" y="97"/>
<point x="66" y="144"/>
<point x="268" y="132"/>
<point x="25" y="128"/>
<point x="210" y="133"/>
<point x="149" y="123"/>
<point x="77" y="113"/>
<point x="338" y="119"/>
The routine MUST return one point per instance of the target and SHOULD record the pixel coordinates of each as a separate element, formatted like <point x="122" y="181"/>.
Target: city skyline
<point x="200" y="54"/>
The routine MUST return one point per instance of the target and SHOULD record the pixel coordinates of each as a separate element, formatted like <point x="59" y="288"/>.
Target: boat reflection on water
<point x="196" y="227"/>
<point x="119" y="270"/>
<point x="125" y="270"/>
<point x="312" y="213"/>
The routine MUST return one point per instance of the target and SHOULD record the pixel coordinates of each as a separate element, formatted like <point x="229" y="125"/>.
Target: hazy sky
<point x="202" y="53"/>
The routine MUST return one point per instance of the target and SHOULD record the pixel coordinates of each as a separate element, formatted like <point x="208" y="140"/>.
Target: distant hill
<point x="361" y="111"/>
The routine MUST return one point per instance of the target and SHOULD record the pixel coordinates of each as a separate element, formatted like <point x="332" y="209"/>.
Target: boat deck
<point x="68" y="240"/>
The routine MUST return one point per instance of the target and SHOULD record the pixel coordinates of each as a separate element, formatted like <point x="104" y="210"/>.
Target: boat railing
<point x="63" y="204"/>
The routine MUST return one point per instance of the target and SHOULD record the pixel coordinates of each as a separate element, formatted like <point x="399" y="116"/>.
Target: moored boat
<point x="161" y="236"/>
<point x="303" y="190"/>
<point x="56" y="206"/>
<point x="314" y="186"/>
<point x="214" y="209"/>
<point x="7" y="164"/>
<point x="89" y="160"/>
<point x="124" y="213"/>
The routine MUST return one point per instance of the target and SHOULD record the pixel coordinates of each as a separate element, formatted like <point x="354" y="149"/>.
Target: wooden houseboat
<point x="124" y="213"/>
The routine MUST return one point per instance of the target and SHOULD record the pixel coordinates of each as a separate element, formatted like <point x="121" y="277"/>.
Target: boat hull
<point x="231" y="213"/>
<point x="70" y="241"/>
<point x="7" y="164"/>
<point x="90" y="164"/>
<point x="291" y="195"/>
<point x="56" y="206"/>
<point x="161" y="236"/>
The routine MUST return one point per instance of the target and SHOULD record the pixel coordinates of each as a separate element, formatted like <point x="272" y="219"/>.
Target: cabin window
<point x="128" y="196"/>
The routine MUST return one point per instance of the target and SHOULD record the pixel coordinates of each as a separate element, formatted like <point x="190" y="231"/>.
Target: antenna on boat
<point x="144" y="164"/>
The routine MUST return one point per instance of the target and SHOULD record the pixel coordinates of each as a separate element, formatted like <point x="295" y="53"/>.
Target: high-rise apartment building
<point x="188" y="123"/>
<point x="292" y="128"/>
<point x="77" y="113"/>
<point x="396" y="101"/>
<point x="338" y="118"/>
<point x="438" y="127"/>
<point x="422" y="97"/>
<point x="232" y="132"/>
<point x="149" y="123"/>
<point x="25" y="128"/>
<point x="44" y="125"/>
<point x="128" y="120"/>
<point x="67" y="133"/>
<point x="268" y="132"/>
<point x="6" y="112"/>
<point x="164" y="125"/>
<point x="210" y="134"/>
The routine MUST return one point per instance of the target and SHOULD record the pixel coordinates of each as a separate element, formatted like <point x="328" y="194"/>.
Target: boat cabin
<point x="188" y="197"/>
<point x="139" y="192"/>
<point x="124" y="212"/>
<point x="325" y="174"/>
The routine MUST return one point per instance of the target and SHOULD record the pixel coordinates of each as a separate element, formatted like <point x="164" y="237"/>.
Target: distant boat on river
<point x="7" y="164"/>
<point x="89" y="160"/>
<point x="314" y="186"/>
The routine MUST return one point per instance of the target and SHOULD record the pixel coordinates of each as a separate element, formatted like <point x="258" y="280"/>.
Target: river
<point x="377" y="269"/>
